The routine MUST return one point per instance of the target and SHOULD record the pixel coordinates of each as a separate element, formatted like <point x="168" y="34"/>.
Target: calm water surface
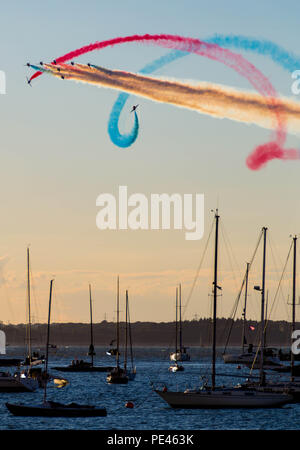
<point x="150" y="412"/>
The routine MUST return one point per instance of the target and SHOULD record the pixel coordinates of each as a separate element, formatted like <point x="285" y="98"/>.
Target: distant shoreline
<point x="196" y="333"/>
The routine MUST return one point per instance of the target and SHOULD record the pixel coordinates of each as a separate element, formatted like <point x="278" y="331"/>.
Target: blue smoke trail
<point x="125" y="140"/>
<point x="279" y="55"/>
<point x="39" y="68"/>
<point x="121" y="140"/>
<point x="263" y="47"/>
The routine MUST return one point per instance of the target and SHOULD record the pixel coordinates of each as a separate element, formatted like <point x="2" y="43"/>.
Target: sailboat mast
<point x="118" y="337"/>
<point x="130" y="337"/>
<point x="176" y="325"/>
<point x="180" y="324"/>
<point x="245" y="308"/>
<point x="48" y="340"/>
<point x="29" y="310"/>
<point x="266" y="317"/>
<point x="91" y="350"/>
<point x="262" y="350"/>
<point x="294" y="304"/>
<point x="126" y="332"/>
<point x="215" y="287"/>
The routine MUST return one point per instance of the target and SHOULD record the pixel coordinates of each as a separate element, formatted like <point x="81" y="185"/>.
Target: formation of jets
<point x="58" y="69"/>
<point x="41" y="63"/>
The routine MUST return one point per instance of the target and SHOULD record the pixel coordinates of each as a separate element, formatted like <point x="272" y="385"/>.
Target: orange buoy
<point x="129" y="405"/>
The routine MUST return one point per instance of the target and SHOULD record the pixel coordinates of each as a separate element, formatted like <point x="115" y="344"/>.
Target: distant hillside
<point x="195" y="333"/>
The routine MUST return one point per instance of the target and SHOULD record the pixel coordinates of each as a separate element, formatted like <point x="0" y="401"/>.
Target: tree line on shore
<point x="195" y="333"/>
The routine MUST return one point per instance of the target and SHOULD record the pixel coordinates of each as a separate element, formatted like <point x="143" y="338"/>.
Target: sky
<point x="57" y="158"/>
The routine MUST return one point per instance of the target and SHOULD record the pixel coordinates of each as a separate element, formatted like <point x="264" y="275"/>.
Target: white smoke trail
<point x="206" y="98"/>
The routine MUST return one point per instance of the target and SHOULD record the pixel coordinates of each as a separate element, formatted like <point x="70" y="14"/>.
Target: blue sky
<point x="57" y="156"/>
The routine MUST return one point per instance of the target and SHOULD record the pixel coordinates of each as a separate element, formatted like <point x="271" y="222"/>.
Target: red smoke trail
<point x="264" y="152"/>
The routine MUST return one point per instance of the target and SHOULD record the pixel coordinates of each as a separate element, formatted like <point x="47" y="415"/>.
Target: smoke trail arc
<point x="264" y="47"/>
<point x="118" y="106"/>
<point x="121" y="140"/>
<point x="216" y="53"/>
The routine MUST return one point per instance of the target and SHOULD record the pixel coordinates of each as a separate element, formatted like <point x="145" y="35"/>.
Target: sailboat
<point x="177" y="354"/>
<point x="32" y="358"/>
<point x="131" y="372"/>
<point x="17" y="382"/>
<point x="26" y="380"/>
<point x="117" y="374"/>
<point x="293" y="385"/>
<point x="293" y="369"/>
<point x="86" y="366"/>
<point x="214" y="396"/>
<point x="6" y="361"/>
<point x="180" y="353"/>
<point x="243" y="357"/>
<point x="248" y="357"/>
<point x="50" y="408"/>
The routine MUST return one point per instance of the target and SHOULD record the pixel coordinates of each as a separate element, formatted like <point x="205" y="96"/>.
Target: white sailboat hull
<point x="224" y="399"/>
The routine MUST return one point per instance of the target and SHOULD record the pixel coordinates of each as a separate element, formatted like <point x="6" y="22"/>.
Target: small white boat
<point x="180" y="353"/>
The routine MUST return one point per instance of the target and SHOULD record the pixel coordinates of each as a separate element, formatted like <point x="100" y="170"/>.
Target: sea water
<point x="150" y="412"/>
